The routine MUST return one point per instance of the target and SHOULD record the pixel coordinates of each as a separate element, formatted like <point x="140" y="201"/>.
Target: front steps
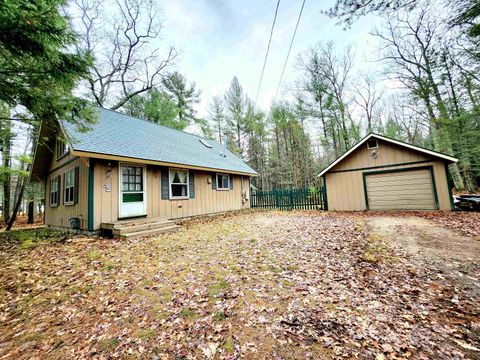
<point x="141" y="227"/>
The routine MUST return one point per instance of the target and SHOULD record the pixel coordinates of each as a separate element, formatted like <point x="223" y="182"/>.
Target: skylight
<point x="205" y="143"/>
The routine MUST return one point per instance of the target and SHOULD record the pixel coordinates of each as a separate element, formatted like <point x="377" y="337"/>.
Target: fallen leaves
<point x="255" y="285"/>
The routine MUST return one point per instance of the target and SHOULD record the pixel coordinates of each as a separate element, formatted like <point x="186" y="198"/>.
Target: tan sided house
<point x="380" y="173"/>
<point x="124" y="168"/>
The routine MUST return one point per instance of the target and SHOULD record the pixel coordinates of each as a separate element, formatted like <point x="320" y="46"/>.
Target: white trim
<point x="65" y="202"/>
<point x="170" y="196"/>
<point x="222" y="188"/>
<point x="120" y="193"/>
<point x="399" y="143"/>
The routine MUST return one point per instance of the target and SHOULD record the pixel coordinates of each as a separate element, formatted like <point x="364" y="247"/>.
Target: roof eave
<point x="82" y="153"/>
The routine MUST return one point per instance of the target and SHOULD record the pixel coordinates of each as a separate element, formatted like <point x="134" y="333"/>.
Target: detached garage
<point x="380" y="173"/>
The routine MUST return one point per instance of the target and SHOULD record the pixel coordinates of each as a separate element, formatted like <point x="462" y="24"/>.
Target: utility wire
<point x="266" y="54"/>
<point x="289" y="50"/>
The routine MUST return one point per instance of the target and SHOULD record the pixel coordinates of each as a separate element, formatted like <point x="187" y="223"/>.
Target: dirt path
<point x="433" y="245"/>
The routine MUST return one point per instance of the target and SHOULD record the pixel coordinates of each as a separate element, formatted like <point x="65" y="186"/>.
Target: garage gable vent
<point x="372" y="144"/>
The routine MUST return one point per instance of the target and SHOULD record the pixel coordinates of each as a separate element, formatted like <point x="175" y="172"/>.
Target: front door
<point x="133" y="195"/>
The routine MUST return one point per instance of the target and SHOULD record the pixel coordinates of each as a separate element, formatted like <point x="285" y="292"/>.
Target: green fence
<point x="313" y="198"/>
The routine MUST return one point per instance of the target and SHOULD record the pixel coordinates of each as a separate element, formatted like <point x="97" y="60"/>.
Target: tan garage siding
<point x="400" y="190"/>
<point x="206" y="199"/>
<point x="344" y="182"/>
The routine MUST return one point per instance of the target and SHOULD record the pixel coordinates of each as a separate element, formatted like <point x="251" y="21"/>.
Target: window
<point x="54" y="191"/>
<point x="132" y="183"/>
<point x="223" y="182"/>
<point x="372" y="144"/>
<point x="62" y="148"/>
<point x="132" y="180"/>
<point x="179" y="184"/>
<point x="69" y="187"/>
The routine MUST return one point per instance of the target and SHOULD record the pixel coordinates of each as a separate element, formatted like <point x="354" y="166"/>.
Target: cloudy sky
<point x="220" y="39"/>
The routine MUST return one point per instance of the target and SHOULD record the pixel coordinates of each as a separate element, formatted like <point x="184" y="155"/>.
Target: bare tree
<point x="127" y="60"/>
<point x="410" y="46"/>
<point x="367" y="98"/>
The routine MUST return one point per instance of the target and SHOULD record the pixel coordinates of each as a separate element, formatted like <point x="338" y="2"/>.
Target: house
<point x="380" y="173"/>
<point x="125" y="167"/>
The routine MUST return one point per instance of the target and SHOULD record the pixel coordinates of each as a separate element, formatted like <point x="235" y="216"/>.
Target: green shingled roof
<point x="122" y="135"/>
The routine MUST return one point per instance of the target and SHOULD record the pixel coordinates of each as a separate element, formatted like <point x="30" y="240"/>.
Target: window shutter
<point x="76" y="185"/>
<point x="164" y="185"/>
<point x="62" y="190"/>
<point x="191" y="184"/>
<point x="59" y="177"/>
<point x="214" y="181"/>
<point x="231" y="181"/>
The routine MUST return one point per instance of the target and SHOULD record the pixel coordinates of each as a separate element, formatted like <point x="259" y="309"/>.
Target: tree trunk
<point x="17" y="204"/>
<point x="31" y="207"/>
<point x="7" y="164"/>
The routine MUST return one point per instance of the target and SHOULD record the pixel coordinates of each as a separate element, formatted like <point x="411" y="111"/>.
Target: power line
<point x="266" y="54"/>
<point x="289" y="50"/>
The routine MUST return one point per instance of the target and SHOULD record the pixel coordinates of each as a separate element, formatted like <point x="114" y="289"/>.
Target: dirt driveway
<point x="433" y="245"/>
<point x="254" y="285"/>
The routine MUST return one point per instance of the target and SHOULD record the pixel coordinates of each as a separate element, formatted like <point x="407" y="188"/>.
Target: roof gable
<point x="117" y="134"/>
<point x="429" y="153"/>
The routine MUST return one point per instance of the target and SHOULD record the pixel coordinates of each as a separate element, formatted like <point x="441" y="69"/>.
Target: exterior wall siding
<point x="344" y="182"/>
<point x="59" y="216"/>
<point x="206" y="200"/>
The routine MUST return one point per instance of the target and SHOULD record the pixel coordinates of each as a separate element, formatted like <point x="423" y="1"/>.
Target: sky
<point x="220" y="39"/>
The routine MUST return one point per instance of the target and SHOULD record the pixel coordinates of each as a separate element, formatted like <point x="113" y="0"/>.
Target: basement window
<point x="372" y="144"/>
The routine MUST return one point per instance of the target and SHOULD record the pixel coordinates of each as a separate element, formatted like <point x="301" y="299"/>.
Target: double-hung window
<point x="223" y="182"/>
<point x="55" y="191"/>
<point x="69" y="187"/>
<point x="178" y="184"/>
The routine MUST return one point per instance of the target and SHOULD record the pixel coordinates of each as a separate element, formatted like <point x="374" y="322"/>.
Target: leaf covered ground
<point x="253" y="285"/>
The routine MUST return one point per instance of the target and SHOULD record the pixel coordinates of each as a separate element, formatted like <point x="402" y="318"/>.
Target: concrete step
<point x="141" y="227"/>
<point x="150" y="232"/>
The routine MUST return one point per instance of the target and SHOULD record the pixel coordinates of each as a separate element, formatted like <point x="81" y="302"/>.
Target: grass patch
<point x="108" y="344"/>
<point x="146" y="334"/>
<point x="229" y="345"/>
<point x="376" y="251"/>
<point x="29" y="238"/>
<point x="216" y="289"/>
<point x="93" y="255"/>
<point x="220" y="316"/>
<point x="188" y="313"/>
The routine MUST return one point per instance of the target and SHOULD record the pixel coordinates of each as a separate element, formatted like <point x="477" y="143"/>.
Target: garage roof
<point x="392" y="141"/>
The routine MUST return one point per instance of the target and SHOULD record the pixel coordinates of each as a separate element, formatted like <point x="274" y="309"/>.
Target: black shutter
<point x="76" y="185"/>
<point x="59" y="189"/>
<point x="214" y="181"/>
<point x="231" y="182"/>
<point x="164" y="185"/>
<point x="191" y="184"/>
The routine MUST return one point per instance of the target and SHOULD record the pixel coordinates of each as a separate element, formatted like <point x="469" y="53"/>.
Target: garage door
<point x="400" y="190"/>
